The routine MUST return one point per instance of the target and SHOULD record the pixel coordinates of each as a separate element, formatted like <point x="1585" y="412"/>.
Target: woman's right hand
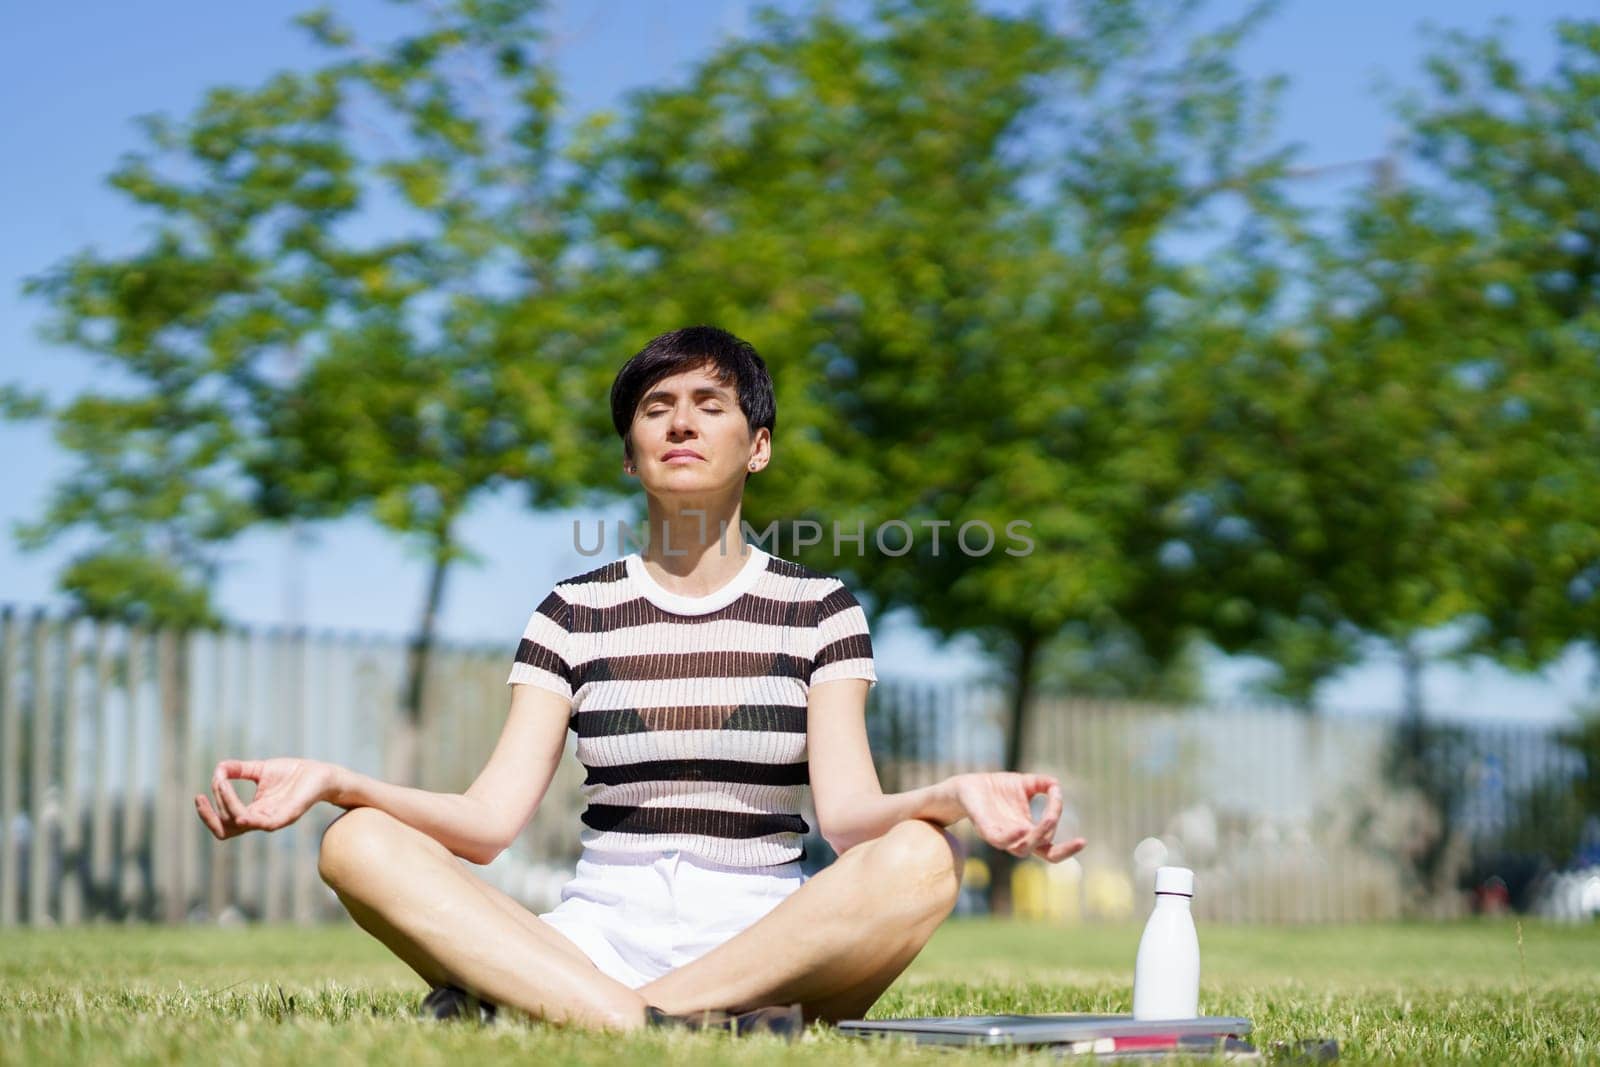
<point x="998" y="803"/>
<point x="286" y="788"/>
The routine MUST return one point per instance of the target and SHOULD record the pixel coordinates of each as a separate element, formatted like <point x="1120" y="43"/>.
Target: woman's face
<point x="690" y="435"/>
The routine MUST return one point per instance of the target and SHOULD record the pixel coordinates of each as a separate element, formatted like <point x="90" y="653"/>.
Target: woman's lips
<point x="682" y="457"/>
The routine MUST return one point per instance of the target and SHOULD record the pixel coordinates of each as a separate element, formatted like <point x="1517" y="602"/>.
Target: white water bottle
<point x="1166" y="975"/>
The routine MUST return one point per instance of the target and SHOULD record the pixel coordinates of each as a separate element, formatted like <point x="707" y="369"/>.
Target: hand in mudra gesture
<point x="286" y="788"/>
<point x="997" y="804"/>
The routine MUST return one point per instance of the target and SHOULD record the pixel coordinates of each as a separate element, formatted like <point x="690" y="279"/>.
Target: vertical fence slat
<point x="10" y="767"/>
<point x="164" y="851"/>
<point x="219" y="855"/>
<point x="195" y="711"/>
<point x="1273" y="766"/>
<point x="488" y="698"/>
<point x="1123" y="818"/>
<point x="129" y="875"/>
<point x="1109" y="807"/>
<point x="1322" y="884"/>
<point x="327" y="710"/>
<point x="72" y="865"/>
<point x="275" y="701"/>
<point x="303" y="864"/>
<point x="335" y="709"/>
<point x="437" y="738"/>
<point x="40" y="818"/>
<point x="100" y="855"/>
<point x="251" y="868"/>
<point x="167" y="859"/>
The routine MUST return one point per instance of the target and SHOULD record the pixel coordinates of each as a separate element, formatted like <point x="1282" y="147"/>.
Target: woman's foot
<point x="785" y="1021"/>
<point x="452" y="1002"/>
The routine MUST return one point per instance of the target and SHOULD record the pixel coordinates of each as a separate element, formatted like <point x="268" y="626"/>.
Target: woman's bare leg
<point x="413" y="895"/>
<point x="427" y="968"/>
<point x="836" y="943"/>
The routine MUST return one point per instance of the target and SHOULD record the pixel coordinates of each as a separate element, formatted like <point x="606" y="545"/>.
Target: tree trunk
<point x="1427" y="762"/>
<point x="1412" y="730"/>
<point x="1001" y="863"/>
<point x="406" y="743"/>
<point x="1411" y="668"/>
<point x="173" y="684"/>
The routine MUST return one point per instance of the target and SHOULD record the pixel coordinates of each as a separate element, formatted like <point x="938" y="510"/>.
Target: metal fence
<point x="107" y="732"/>
<point x="1285" y="816"/>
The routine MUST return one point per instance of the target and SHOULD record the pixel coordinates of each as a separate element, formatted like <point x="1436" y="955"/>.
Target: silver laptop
<point x="1109" y="1032"/>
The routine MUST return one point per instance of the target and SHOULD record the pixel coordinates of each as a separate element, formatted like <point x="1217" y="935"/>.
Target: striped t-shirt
<point x="691" y="711"/>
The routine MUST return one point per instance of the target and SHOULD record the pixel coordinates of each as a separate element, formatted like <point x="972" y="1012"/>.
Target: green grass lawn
<point x="275" y="995"/>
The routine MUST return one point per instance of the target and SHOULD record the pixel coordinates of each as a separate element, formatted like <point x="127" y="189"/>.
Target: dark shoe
<point x="452" y="1002"/>
<point x="785" y="1022"/>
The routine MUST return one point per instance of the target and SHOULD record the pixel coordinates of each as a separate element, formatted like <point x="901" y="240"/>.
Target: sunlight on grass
<point x="271" y="995"/>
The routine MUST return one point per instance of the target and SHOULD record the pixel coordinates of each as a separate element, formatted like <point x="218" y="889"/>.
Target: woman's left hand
<point x="286" y="788"/>
<point x="997" y="804"/>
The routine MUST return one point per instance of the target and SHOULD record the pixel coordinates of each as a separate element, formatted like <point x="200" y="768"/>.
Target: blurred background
<point x="1278" y="325"/>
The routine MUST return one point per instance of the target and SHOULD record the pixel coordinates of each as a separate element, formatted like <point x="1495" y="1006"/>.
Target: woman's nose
<point x="682" y="422"/>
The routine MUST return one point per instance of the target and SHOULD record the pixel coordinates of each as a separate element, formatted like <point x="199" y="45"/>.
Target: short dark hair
<point x="730" y="360"/>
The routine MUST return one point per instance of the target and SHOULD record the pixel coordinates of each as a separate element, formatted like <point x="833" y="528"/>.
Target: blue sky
<point x="74" y="74"/>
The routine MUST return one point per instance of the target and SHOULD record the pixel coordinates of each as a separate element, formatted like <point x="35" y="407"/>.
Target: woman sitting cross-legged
<point x="710" y="684"/>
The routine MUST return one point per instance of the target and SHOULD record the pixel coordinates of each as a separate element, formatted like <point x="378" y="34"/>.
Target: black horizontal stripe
<point x="789" y="569"/>
<point x="536" y="655"/>
<point x="669" y="665"/>
<point x="838" y="600"/>
<point x="554" y="608"/>
<point x="638" y="611"/>
<point x="768" y="718"/>
<point x="723" y="771"/>
<point x="615" y="571"/>
<point x="856" y="646"/>
<point x="631" y="819"/>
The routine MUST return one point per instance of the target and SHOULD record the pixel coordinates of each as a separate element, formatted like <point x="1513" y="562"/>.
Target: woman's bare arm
<point x="476" y="825"/>
<point x="852" y="806"/>
<point x="479" y="824"/>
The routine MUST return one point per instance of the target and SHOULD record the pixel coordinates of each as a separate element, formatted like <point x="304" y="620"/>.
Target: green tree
<point x="1116" y="665"/>
<point x="355" y="297"/>
<point x="1430" y="417"/>
<point x="965" y="242"/>
<point x="1340" y="449"/>
<point x="1515" y="159"/>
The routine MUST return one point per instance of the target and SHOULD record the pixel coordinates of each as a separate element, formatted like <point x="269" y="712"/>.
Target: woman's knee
<point x="360" y="839"/>
<point x="927" y="857"/>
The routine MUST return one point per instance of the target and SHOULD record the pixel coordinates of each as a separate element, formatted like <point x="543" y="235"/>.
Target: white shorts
<point x="640" y="915"/>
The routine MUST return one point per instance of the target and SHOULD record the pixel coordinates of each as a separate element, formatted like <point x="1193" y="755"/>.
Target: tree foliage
<point x="959" y="235"/>
<point x="355" y="297"/>
<point x="1516" y="158"/>
<point x="1033" y="276"/>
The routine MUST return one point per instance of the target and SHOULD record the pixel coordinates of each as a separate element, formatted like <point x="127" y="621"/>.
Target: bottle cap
<point x="1178" y="880"/>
